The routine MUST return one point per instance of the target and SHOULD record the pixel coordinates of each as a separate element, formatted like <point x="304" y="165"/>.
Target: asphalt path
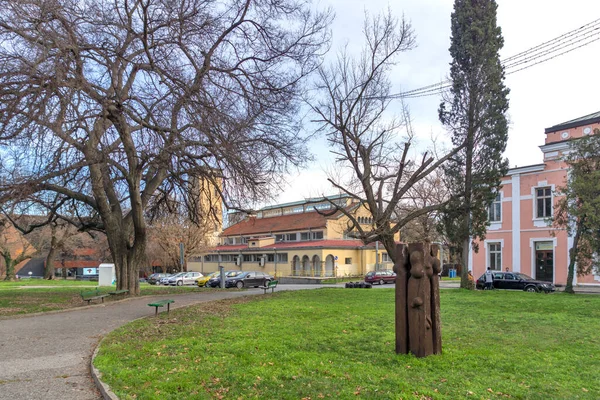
<point x="47" y="356"/>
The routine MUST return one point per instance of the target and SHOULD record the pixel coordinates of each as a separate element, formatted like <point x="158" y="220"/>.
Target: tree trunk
<point x="464" y="277"/>
<point x="464" y="263"/>
<point x="49" y="267"/>
<point x="127" y="265"/>
<point x="10" y="267"/>
<point x="573" y="258"/>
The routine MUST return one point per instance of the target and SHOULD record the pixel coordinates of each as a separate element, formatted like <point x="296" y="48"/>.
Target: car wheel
<point x="239" y="284"/>
<point x="179" y="283"/>
<point x="531" y="289"/>
<point x="381" y="281"/>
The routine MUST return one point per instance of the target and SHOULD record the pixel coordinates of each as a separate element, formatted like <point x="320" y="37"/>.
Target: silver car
<point x="184" y="278"/>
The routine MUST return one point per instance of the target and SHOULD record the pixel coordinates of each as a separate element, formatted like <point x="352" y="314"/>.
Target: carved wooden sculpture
<point x="417" y="300"/>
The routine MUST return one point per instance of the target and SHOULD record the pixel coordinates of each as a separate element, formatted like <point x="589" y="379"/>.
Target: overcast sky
<point x="541" y="96"/>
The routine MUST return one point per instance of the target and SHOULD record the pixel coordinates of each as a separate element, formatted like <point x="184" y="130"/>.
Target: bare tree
<point x="367" y="141"/>
<point x="429" y="191"/>
<point x="117" y="104"/>
<point x="168" y="232"/>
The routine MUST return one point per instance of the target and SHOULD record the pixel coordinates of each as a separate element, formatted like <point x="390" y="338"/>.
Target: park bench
<point x="269" y="285"/>
<point x="161" y="303"/>
<point x="93" y="295"/>
<point x="119" y="292"/>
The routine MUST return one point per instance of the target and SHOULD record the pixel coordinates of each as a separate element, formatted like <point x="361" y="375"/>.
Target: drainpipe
<point x="377" y="255"/>
<point x="275" y="259"/>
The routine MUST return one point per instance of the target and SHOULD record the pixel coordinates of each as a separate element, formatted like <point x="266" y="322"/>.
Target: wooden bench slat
<point x="92" y="295"/>
<point x="117" y="292"/>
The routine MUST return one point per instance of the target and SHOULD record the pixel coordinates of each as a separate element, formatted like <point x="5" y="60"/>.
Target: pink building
<point x="519" y="237"/>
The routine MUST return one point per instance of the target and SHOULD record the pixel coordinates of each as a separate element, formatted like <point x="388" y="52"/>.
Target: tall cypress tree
<point x="474" y="111"/>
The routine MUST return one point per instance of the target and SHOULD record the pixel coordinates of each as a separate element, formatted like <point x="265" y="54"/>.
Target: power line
<point x="561" y="44"/>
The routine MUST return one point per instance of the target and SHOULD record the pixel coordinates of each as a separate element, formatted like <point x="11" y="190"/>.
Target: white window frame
<point x="487" y="244"/>
<point x="542" y="222"/>
<point x="497" y="202"/>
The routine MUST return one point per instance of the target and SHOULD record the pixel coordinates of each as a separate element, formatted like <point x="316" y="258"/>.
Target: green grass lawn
<point x="16" y="300"/>
<point x="339" y="344"/>
<point x="44" y="282"/>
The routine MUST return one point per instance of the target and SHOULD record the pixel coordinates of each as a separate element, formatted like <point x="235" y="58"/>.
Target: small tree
<point x="578" y="211"/>
<point x="14" y="248"/>
<point x="168" y="232"/>
<point x="474" y="111"/>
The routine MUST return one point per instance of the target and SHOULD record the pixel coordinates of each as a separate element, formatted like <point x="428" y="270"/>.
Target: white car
<point x="184" y="278"/>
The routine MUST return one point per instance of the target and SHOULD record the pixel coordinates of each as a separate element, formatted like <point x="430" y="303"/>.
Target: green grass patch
<point x="17" y="300"/>
<point x="339" y="344"/>
<point x="45" y="282"/>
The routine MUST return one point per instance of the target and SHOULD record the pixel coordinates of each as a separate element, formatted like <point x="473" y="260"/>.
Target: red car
<point x="381" y="277"/>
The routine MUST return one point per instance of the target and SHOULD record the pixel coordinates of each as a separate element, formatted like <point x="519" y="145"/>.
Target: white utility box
<point x="106" y="275"/>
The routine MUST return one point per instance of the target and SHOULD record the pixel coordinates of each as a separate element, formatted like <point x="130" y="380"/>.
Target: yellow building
<point x="294" y="240"/>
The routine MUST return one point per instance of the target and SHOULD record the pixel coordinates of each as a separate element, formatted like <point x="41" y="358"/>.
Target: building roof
<point x="320" y="244"/>
<point x="306" y="201"/>
<point x="282" y="223"/>
<point x="585" y="120"/>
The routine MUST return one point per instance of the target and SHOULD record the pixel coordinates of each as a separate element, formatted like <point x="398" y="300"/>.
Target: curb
<point x="107" y="393"/>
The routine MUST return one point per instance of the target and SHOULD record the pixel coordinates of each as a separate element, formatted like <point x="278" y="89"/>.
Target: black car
<point x="216" y="281"/>
<point x="516" y="281"/>
<point x="248" y="279"/>
<point x="155" y="278"/>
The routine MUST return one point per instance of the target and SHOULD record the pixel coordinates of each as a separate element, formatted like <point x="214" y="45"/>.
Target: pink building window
<point x="495" y="210"/>
<point x="495" y="255"/>
<point x="543" y="201"/>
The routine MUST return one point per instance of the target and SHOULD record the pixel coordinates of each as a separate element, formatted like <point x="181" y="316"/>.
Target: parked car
<point x="381" y="277"/>
<point x="203" y="280"/>
<point x="165" y="279"/>
<point x="184" y="278"/>
<point x="248" y="279"/>
<point x="516" y="281"/>
<point x="216" y="280"/>
<point x="154" y="279"/>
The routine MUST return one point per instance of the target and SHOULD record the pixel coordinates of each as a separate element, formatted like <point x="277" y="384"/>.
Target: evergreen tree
<point x="474" y="111"/>
<point x="578" y="211"/>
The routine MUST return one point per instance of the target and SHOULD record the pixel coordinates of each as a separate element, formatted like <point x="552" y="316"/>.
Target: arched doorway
<point x="305" y="266"/>
<point x="329" y="266"/>
<point x="317" y="267"/>
<point x="296" y="266"/>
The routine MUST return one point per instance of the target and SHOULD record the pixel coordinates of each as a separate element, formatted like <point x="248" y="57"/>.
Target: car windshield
<point x="523" y="276"/>
<point x="231" y="274"/>
<point x="179" y="274"/>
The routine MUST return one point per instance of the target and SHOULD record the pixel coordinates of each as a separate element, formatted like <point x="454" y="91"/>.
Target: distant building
<point x="519" y="236"/>
<point x="293" y="239"/>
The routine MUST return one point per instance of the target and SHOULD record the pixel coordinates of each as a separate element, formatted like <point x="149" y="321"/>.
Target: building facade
<point x="296" y="239"/>
<point x="520" y="236"/>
